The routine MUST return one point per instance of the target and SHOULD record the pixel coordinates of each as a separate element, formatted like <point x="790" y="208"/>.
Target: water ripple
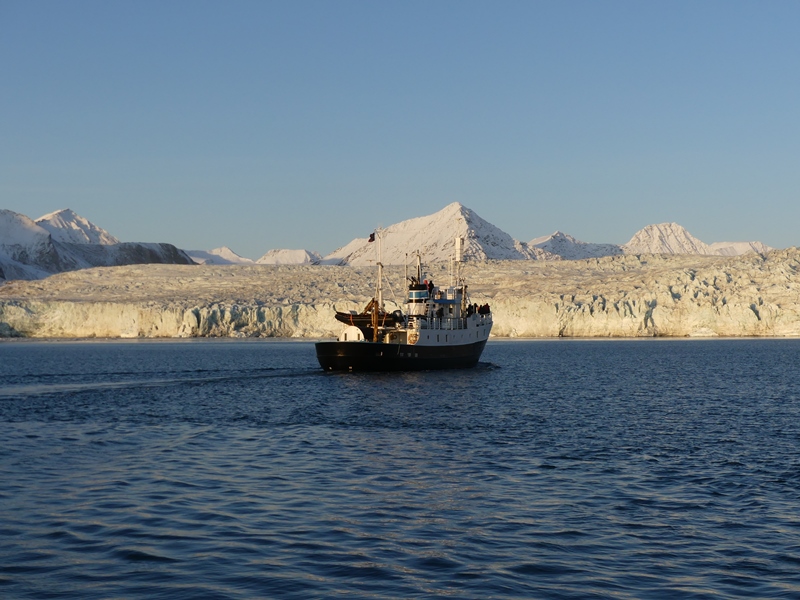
<point x="237" y="471"/>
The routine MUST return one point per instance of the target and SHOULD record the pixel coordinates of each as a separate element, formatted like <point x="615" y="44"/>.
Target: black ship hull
<point x="376" y="356"/>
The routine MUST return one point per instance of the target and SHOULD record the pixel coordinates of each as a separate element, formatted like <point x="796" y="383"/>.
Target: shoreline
<point x="296" y="340"/>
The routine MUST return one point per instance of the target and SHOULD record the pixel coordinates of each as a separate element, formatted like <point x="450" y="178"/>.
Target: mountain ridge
<point x="671" y="238"/>
<point x="289" y="257"/>
<point x="32" y="250"/>
<point x="63" y="240"/>
<point x="67" y="226"/>
<point x="218" y="256"/>
<point x="569" y="248"/>
<point x="434" y="236"/>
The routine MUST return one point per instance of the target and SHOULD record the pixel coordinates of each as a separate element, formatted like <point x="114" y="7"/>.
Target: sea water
<point x="555" y="469"/>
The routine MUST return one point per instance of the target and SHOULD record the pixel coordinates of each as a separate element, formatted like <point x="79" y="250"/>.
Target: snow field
<point x="616" y="296"/>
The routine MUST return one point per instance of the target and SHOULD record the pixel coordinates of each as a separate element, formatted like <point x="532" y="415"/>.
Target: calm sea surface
<point x="556" y="469"/>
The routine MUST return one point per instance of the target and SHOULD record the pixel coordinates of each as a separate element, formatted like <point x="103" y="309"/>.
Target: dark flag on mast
<point x="371" y="237"/>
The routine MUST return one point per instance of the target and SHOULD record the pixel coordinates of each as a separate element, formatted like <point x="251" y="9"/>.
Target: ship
<point x="439" y="328"/>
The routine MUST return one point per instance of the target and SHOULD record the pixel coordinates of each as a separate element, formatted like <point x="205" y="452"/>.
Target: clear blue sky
<point x="301" y="124"/>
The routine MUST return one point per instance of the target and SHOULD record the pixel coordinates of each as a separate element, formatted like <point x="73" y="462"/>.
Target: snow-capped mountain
<point x="289" y="257"/>
<point x="434" y="236"/>
<point x="218" y="256"/>
<point x="568" y="248"/>
<point x="19" y="230"/>
<point x="26" y="250"/>
<point x="671" y="238"/>
<point x="226" y="256"/>
<point x="65" y="241"/>
<point x="31" y="251"/>
<point x="737" y="248"/>
<point x="665" y="238"/>
<point x="67" y="226"/>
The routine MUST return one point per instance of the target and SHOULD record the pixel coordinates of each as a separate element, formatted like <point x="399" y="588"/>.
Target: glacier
<point x="612" y="296"/>
<point x="663" y="282"/>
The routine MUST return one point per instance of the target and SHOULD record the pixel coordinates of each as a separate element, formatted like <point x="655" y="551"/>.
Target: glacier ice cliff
<point x="613" y="296"/>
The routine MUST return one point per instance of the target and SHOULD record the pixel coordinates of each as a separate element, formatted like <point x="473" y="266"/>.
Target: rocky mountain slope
<point x="63" y="241"/>
<point x="619" y="296"/>
<point x="567" y="247"/>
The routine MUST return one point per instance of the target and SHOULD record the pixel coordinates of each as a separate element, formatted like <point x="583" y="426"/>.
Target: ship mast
<point x="458" y="281"/>
<point x="377" y="305"/>
<point x="455" y="263"/>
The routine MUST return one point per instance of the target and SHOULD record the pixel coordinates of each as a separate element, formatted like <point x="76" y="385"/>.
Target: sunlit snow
<point x="67" y="226"/>
<point x="63" y="241"/>
<point x="218" y="256"/>
<point x="289" y="257"/>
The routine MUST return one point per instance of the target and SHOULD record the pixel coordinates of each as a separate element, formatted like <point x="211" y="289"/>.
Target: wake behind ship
<point x="439" y="329"/>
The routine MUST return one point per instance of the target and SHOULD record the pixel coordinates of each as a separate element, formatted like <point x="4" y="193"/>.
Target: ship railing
<point x="417" y="322"/>
<point x="448" y="323"/>
<point x="443" y="323"/>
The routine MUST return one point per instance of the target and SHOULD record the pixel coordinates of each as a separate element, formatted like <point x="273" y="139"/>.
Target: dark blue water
<point x="556" y="469"/>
